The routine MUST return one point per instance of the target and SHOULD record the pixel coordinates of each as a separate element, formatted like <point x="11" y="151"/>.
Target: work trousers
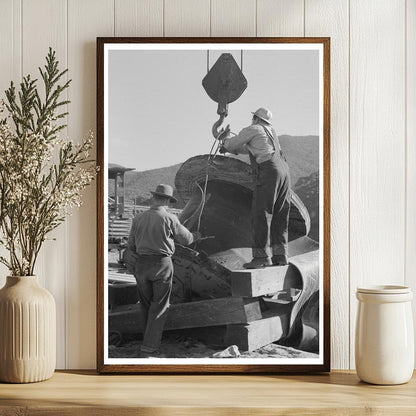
<point x="154" y="276"/>
<point x="270" y="206"/>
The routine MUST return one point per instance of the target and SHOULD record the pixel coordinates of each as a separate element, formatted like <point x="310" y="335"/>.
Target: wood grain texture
<point x="330" y="18"/>
<point x="377" y="147"/>
<point x="130" y="319"/>
<point x="86" y="393"/>
<point x="258" y="282"/>
<point x="233" y="18"/>
<point x="138" y="17"/>
<point x="411" y="150"/>
<point x="256" y="334"/>
<point x="10" y="43"/>
<point x="10" y="66"/>
<point x="187" y="18"/>
<point x="37" y="38"/>
<point x="100" y="203"/>
<point x="86" y="20"/>
<point x="280" y="18"/>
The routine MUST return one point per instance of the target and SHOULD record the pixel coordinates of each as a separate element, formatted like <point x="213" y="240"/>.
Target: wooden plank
<point x="44" y="25"/>
<point x="10" y="66"/>
<point x="331" y="18"/>
<point x="86" y="20"/>
<point x="233" y="18"/>
<point x="87" y="393"/>
<point x="280" y="18"/>
<point x="257" y="334"/>
<point x="138" y="17"/>
<point x="122" y="294"/>
<point x="248" y="337"/>
<point x="411" y="150"/>
<point x="205" y="313"/>
<point x="187" y="18"/>
<point x="377" y="147"/>
<point x="214" y="312"/>
<point x="10" y="44"/>
<point x="115" y="276"/>
<point x="258" y="282"/>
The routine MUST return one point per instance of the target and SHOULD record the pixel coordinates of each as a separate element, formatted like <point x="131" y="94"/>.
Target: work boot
<point x="148" y="350"/>
<point x="258" y="263"/>
<point x="280" y="260"/>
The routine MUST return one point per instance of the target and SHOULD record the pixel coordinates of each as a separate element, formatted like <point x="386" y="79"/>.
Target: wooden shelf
<point x="86" y="393"/>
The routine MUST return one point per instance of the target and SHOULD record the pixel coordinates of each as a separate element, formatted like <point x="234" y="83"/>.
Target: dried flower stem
<point x="36" y="193"/>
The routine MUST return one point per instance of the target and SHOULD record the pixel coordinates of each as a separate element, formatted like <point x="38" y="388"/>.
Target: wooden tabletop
<point x="86" y="393"/>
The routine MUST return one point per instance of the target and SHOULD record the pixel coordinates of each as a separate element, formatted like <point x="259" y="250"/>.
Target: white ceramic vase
<point x="27" y="331"/>
<point x="384" y="341"/>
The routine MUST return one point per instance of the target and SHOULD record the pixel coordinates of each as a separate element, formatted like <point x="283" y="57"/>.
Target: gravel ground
<point x="174" y="346"/>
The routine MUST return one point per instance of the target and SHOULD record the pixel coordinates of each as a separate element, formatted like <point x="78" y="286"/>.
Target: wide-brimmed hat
<point x="265" y="114"/>
<point x="164" y="190"/>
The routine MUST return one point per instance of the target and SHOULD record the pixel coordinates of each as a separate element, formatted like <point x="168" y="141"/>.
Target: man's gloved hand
<point x="197" y="235"/>
<point x="224" y="133"/>
<point x="223" y="150"/>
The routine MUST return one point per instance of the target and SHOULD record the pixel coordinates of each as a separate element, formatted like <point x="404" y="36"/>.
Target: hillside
<point x="139" y="184"/>
<point x="302" y="154"/>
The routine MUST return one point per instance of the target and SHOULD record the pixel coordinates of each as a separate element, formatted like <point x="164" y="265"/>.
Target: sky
<point x="160" y="115"/>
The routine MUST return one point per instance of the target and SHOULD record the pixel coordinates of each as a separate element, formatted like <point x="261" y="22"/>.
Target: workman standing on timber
<point x="152" y="237"/>
<point x="271" y="196"/>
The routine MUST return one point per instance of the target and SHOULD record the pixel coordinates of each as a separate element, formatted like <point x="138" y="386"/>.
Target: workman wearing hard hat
<point x="271" y="196"/>
<point x="152" y="239"/>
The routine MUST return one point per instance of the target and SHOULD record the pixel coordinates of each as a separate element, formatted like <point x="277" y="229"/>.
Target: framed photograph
<point x="213" y="205"/>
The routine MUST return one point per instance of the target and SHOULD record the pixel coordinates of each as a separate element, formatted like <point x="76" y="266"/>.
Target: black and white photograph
<point x="213" y="199"/>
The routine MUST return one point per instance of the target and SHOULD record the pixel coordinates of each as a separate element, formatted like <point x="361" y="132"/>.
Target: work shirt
<point x="154" y="232"/>
<point x="254" y="139"/>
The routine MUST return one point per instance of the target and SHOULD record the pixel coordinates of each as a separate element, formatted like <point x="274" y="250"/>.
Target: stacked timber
<point x="213" y="298"/>
<point x="262" y="308"/>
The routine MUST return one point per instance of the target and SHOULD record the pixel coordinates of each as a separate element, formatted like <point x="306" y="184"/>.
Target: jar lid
<point x="384" y="289"/>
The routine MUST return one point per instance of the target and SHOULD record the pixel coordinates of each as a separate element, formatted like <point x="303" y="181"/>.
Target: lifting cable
<point x="211" y="156"/>
<point x="210" y="159"/>
<point x="241" y="60"/>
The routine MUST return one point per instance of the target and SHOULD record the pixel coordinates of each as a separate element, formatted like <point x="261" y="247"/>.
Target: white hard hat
<point x="264" y="114"/>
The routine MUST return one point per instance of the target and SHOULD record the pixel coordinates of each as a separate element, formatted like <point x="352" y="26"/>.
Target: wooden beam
<point x="258" y="282"/>
<point x="129" y="319"/>
<point x="269" y="280"/>
<point x="213" y="312"/>
<point x="247" y="337"/>
<point x="122" y="294"/>
<point x="254" y="335"/>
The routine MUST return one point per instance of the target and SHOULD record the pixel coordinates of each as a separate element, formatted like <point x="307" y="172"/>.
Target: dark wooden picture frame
<point x="324" y="246"/>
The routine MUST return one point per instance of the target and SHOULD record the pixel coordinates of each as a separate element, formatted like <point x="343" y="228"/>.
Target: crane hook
<point x="223" y="112"/>
<point x="215" y="128"/>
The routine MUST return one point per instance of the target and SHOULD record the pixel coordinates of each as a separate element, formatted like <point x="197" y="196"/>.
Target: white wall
<point x="373" y="132"/>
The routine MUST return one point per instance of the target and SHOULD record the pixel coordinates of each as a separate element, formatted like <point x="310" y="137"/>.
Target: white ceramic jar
<point x="384" y="338"/>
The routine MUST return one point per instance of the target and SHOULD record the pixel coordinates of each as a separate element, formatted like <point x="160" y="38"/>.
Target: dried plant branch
<point x="41" y="176"/>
